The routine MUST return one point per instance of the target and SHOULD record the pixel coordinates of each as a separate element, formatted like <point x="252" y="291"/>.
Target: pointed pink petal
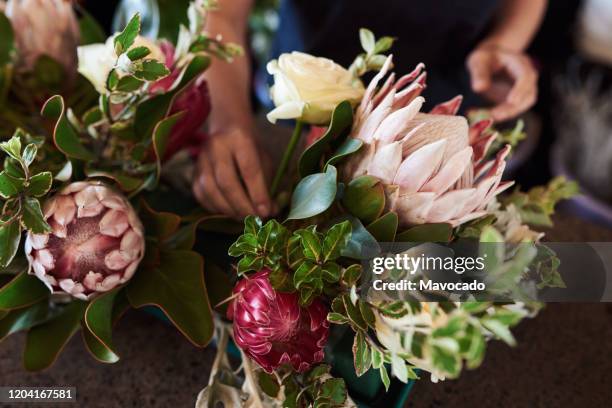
<point x="38" y="241"/>
<point x="481" y="147"/>
<point x="65" y="210"/>
<point x="479" y="128"/>
<point x="449" y="107"/>
<point x="131" y="245"/>
<point x="449" y="205"/>
<point x="397" y="122"/>
<point x="450" y="172"/>
<point x="417" y="168"/>
<point x="374" y="119"/>
<point x="467" y="218"/>
<point x="88" y="204"/>
<point x="384" y="90"/>
<point x="412" y="209"/>
<point x="408" y="78"/>
<point x="385" y="162"/>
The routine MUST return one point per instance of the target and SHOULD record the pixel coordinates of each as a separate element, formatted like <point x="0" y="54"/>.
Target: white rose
<point x="309" y="88"/>
<point x="97" y="60"/>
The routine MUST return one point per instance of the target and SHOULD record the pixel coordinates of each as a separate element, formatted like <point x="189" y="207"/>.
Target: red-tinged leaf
<point x="161" y="225"/>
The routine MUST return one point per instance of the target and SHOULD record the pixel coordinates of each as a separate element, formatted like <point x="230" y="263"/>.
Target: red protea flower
<point x="96" y="243"/>
<point x="193" y="101"/>
<point x="273" y="329"/>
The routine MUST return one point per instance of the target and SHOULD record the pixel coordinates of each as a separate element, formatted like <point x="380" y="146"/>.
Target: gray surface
<point x="563" y="360"/>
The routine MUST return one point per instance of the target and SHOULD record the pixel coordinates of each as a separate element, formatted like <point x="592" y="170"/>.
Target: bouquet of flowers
<point x="80" y="240"/>
<point x="375" y="170"/>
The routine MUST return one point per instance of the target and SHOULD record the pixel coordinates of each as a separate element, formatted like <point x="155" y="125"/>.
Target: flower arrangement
<point x="376" y="170"/>
<point x="80" y="239"/>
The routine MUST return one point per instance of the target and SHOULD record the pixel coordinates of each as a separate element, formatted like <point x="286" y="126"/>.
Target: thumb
<point x="480" y="71"/>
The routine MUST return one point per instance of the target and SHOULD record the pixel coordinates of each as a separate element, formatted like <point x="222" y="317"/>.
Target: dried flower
<point x="273" y="329"/>
<point x="96" y="243"/>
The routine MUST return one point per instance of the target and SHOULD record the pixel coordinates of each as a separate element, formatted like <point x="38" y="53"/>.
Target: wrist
<point x="502" y="43"/>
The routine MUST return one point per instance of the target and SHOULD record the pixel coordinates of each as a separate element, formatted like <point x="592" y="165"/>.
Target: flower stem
<point x="282" y="168"/>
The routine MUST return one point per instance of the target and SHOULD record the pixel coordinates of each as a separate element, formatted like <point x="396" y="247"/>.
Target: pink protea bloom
<point x="193" y="101"/>
<point x="432" y="165"/>
<point x="273" y="329"/>
<point x="96" y="244"/>
<point x="44" y="27"/>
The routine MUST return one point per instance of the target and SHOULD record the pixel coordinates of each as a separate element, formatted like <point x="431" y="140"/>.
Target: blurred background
<point x="569" y="131"/>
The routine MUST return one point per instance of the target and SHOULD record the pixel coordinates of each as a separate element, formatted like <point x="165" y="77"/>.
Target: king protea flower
<point x="432" y="165"/>
<point x="273" y="329"/>
<point x="96" y="243"/>
<point x="44" y="27"/>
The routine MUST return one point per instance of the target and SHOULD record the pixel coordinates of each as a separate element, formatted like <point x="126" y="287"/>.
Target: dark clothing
<point x="440" y="33"/>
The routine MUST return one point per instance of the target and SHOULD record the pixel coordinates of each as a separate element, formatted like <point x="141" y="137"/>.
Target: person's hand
<point x="506" y="78"/>
<point x="229" y="178"/>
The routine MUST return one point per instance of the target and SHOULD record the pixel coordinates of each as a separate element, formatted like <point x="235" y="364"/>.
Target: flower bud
<point x="96" y="243"/>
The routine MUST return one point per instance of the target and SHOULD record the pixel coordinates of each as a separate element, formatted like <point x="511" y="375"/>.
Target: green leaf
<point x="23" y="319"/>
<point x="362" y="357"/>
<point x="129" y="84"/>
<point x="307" y="273"/>
<point x="138" y="53"/>
<point x="176" y="285"/>
<point x="12" y="147"/>
<point x="337" y="318"/>
<point x="10" y="237"/>
<point x="152" y="70"/>
<point x="161" y="136"/>
<point x="384" y="377"/>
<point x="427" y="233"/>
<point x="336" y="239"/>
<point x="98" y="326"/>
<point x="362" y="245"/>
<point x="347" y="148"/>
<point x="492" y="248"/>
<point x="268" y="384"/>
<point x="161" y="225"/>
<point x="7" y="40"/>
<point x="384" y="228"/>
<point x="10" y="186"/>
<point x="377" y="358"/>
<point x="351" y="275"/>
<point x="354" y="314"/>
<point x="334" y="390"/>
<point x="46" y="341"/>
<point x="66" y="138"/>
<point x="40" y="184"/>
<point x="126" y="183"/>
<point x="331" y="272"/>
<point x="341" y="121"/>
<point x="29" y="154"/>
<point x="91" y="31"/>
<point x="311" y="243"/>
<point x="313" y="195"/>
<point x="24" y="290"/>
<point x="364" y="197"/>
<point x="126" y="38"/>
<point x="33" y="219"/>
<point x="367" y="40"/>
<point x="383" y="45"/>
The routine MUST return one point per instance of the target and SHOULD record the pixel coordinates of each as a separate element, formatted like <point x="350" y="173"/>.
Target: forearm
<point x="516" y="25"/>
<point x="229" y="83"/>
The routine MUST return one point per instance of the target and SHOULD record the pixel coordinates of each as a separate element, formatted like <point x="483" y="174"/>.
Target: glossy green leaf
<point x="23" y="290"/>
<point x="362" y="244"/>
<point x="40" y="184"/>
<point x="161" y="137"/>
<point x="45" y="342"/>
<point x="10" y="186"/>
<point x="10" y="237"/>
<point x="12" y="147"/>
<point x="32" y="218"/>
<point x="161" y="225"/>
<point x="138" y="53"/>
<point x="7" y="39"/>
<point x="364" y="197"/>
<point x="125" y="39"/>
<point x="98" y="324"/>
<point x="23" y="319"/>
<point x="427" y="233"/>
<point x="126" y="183"/>
<point x="29" y="154"/>
<point x="336" y="239"/>
<point x="313" y="195"/>
<point x="129" y="84"/>
<point x="66" y="138"/>
<point x="348" y="147"/>
<point x="311" y="244"/>
<point x="341" y="120"/>
<point x="385" y="227"/>
<point x="152" y="70"/>
<point x="176" y="285"/>
<point x="362" y="357"/>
